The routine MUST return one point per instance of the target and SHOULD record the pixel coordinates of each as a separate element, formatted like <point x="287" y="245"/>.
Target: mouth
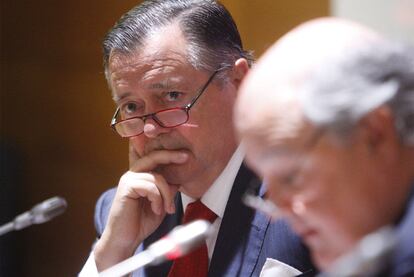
<point x="166" y="148"/>
<point x="307" y="233"/>
<point x="157" y="146"/>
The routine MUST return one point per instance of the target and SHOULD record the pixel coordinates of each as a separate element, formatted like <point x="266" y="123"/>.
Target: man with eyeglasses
<point x="174" y="67"/>
<point x="330" y="127"/>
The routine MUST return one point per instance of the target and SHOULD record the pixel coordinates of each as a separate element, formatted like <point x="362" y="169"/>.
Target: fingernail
<point x="181" y="157"/>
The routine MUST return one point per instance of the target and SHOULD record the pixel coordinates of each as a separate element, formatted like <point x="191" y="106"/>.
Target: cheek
<point x="217" y="109"/>
<point x="325" y="200"/>
<point x="192" y="134"/>
<point x="330" y="208"/>
<point x="214" y="126"/>
<point x="333" y="237"/>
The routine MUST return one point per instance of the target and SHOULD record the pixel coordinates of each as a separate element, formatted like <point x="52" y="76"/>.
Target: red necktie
<point x="194" y="264"/>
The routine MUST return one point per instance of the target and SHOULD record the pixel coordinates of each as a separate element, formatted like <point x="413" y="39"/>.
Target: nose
<point x="290" y="204"/>
<point x="152" y="129"/>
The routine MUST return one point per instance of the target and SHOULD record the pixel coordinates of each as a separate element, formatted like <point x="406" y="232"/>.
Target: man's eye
<point x="173" y="95"/>
<point x="290" y="178"/>
<point x="129" y="108"/>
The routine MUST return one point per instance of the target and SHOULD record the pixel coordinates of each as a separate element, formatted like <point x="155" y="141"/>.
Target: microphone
<point x="40" y="213"/>
<point x="263" y="205"/>
<point x="180" y="241"/>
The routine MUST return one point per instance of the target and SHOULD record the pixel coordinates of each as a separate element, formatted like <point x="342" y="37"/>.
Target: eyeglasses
<point x="168" y="118"/>
<point x="266" y="206"/>
<point x="290" y="179"/>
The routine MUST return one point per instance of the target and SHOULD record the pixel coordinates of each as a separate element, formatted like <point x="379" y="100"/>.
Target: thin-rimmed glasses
<point x="266" y="206"/>
<point x="168" y="118"/>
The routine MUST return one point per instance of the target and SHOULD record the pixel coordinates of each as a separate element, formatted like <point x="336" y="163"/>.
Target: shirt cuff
<point x="89" y="269"/>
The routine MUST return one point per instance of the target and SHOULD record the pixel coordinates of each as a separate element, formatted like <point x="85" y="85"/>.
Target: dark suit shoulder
<point x="102" y="210"/>
<point x="403" y="258"/>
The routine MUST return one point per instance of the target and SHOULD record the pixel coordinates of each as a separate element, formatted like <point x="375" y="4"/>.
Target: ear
<point x="380" y="133"/>
<point x="240" y="69"/>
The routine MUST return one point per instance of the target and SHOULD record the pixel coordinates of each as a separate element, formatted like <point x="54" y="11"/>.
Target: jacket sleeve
<point x="102" y="210"/>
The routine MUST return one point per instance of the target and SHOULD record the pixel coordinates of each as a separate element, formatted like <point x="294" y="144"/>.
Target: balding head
<point x="270" y="91"/>
<point x="311" y="43"/>
<point x="324" y="80"/>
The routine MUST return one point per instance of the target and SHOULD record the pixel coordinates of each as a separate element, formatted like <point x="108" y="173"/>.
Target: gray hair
<point x="213" y="39"/>
<point x="346" y="89"/>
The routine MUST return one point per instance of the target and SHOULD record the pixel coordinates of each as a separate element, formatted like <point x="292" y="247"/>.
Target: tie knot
<point x="198" y="210"/>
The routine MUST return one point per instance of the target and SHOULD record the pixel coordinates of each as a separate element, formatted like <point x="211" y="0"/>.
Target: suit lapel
<point x="241" y="233"/>
<point x="239" y="240"/>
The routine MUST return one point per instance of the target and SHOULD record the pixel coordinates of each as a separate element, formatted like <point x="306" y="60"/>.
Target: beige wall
<point x="55" y="108"/>
<point x="394" y="18"/>
<point x="261" y="22"/>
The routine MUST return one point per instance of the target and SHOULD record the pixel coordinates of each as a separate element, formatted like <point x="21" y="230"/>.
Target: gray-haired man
<point x="328" y="120"/>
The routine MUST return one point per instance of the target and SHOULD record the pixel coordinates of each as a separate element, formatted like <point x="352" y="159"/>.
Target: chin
<point x="326" y="254"/>
<point x="323" y="262"/>
<point x="173" y="174"/>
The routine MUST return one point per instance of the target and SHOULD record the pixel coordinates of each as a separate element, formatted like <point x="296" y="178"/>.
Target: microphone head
<point x="189" y="237"/>
<point x="48" y="209"/>
<point x="180" y="241"/>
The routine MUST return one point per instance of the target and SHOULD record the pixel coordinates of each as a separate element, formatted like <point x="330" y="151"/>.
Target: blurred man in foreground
<point x="327" y="117"/>
<point x="174" y="68"/>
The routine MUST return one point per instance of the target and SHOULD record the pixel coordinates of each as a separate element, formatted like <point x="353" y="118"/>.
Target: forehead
<point x="279" y="139"/>
<point x="276" y="139"/>
<point x="163" y="51"/>
<point x="271" y="117"/>
<point x="270" y="112"/>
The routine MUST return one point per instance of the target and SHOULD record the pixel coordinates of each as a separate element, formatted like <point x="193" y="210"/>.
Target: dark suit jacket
<point x="246" y="238"/>
<point x="402" y="263"/>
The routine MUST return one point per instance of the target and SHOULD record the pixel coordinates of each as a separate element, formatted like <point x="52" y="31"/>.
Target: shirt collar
<point x="215" y="198"/>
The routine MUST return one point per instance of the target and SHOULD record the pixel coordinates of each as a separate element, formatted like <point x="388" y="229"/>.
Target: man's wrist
<point x="107" y="253"/>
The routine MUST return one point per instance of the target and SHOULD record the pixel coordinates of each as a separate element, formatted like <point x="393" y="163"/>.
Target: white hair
<point x="344" y="89"/>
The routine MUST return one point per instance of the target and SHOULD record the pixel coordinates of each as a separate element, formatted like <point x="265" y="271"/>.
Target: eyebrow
<point x="165" y="84"/>
<point x="117" y="98"/>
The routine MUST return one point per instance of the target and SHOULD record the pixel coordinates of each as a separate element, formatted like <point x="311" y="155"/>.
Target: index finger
<point x="132" y="155"/>
<point x="156" y="158"/>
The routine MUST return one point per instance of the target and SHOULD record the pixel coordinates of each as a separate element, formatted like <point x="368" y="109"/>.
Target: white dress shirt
<point x="215" y="199"/>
